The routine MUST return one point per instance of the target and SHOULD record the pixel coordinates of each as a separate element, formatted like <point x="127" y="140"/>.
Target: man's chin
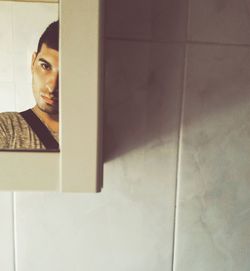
<point x="49" y="110"/>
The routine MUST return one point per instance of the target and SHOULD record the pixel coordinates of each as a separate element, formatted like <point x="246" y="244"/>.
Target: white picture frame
<point x="78" y="165"/>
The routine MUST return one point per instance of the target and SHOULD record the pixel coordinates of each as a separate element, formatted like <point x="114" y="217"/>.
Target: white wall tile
<point x="94" y="232"/>
<point x="126" y="71"/>
<point x="22" y="67"/>
<point x="220" y="21"/>
<point x="29" y="22"/>
<point x="158" y="20"/>
<point x="6" y="67"/>
<point x="8" y="97"/>
<point x="6" y="42"/>
<point x="6" y="232"/>
<point x="169" y="20"/>
<point x="128" y="19"/>
<point x="5" y="27"/>
<point x="213" y="204"/>
<point x="24" y="97"/>
<point x="140" y="79"/>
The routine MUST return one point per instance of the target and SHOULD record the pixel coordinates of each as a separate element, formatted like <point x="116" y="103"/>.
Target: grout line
<point x="126" y="39"/>
<point x="189" y="42"/>
<point x="13" y="193"/>
<point x="151" y="20"/>
<point x="179" y="152"/>
<point x="14" y="231"/>
<point x="60" y="183"/>
<point x="32" y="1"/>
<point x="13" y="55"/>
<point x="179" y="143"/>
<point x="188" y="21"/>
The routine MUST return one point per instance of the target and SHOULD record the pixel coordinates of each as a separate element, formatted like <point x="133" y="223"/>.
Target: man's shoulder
<point x="9" y="115"/>
<point x="16" y="133"/>
<point x="10" y="119"/>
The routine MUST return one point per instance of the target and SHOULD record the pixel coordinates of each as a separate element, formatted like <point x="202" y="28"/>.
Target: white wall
<point x="176" y="134"/>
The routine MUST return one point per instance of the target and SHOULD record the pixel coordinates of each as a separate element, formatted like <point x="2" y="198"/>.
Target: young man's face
<point x="45" y="73"/>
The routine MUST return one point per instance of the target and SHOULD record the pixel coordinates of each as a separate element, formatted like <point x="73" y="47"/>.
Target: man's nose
<point x="52" y="84"/>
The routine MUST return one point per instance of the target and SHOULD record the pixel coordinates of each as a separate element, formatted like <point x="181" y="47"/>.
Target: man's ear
<point x="33" y="60"/>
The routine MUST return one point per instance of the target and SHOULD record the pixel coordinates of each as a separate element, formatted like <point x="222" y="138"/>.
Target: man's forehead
<point x="47" y="50"/>
<point x="51" y="55"/>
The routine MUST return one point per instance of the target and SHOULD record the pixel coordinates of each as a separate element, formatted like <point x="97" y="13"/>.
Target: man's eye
<point x="45" y="66"/>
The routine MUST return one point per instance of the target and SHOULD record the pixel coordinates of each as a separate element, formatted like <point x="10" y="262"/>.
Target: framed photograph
<point x="51" y="104"/>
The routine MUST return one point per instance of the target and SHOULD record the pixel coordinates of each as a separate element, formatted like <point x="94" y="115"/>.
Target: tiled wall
<point x="176" y="135"/>
<point x="213" y="196"/>
<point x="21" y="25"/>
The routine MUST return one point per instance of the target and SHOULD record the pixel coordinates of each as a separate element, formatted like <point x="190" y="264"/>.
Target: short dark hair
<point x="50" y="37"/>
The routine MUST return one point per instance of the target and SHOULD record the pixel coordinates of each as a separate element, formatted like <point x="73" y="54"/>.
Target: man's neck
<point x="50" y="120"/>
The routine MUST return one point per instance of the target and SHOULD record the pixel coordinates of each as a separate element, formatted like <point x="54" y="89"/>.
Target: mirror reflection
<point x="29" y="76"/>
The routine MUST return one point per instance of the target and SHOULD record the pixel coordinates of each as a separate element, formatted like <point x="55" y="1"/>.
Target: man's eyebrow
<point x="44" y="60"/>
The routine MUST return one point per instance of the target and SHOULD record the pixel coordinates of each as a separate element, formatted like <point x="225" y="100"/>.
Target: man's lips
<point x="49" y="100"/>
